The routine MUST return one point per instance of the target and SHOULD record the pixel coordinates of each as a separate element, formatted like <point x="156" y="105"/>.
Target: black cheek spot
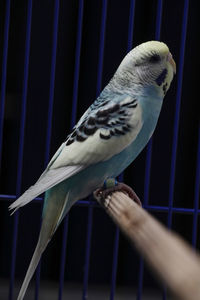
<point x="161" y="77"/>
<point x="105" y="137"/>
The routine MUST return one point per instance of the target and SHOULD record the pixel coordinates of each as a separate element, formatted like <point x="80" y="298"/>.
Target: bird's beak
<point x="172" y="62"/>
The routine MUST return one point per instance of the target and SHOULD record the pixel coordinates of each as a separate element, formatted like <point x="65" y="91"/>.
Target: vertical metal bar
<point x="77" y="62"/>
<point x="177" y="111"/>
<point x="73" y="120"/>
<point x="4" y="72"/>
<point x="115" y="256"/>
<point x="131" y="25"/>
<point x="50" y="112"/>
<point x="87" y="253"/>
<point x="114" y="265"/>
<point x="140" y="279"/>
<point x="177" y="116"/>
<point x="196" y="194"/>
<point x="158" y="30"/>
<point x="149" y="152"/>
<point x="116" y="242"/>
<point x="150" y="144"/>
<point x="52" y="79"/>
<point x="98" y="89"/>
<point x="159" y="19"/>
<point x="101" y="48"/>
<point x="63" y="258"/>
<point x="21" y="143"/>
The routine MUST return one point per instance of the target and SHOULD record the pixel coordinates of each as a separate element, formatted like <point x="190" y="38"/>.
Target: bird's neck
<point x="151" y="103"/>
<point x="134" y="89"/>
<point x="122" y="86"/>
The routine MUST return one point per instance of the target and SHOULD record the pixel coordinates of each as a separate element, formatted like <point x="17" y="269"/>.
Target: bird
<point x="106" y="139"/>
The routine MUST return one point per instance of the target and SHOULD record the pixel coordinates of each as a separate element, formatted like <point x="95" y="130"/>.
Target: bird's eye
<point x="154" y="58"/>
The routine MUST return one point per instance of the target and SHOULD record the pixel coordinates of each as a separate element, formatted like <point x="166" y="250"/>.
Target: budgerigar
<point x="107" y="138"/>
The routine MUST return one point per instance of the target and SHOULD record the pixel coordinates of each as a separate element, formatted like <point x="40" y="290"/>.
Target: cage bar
<point x="177" y="111"/>
<point x="52" y="78"/>
<point x="85" y="203"/>
<point x="77" y="62"/>
<point x="98" y="90"/>
<point x="87" y="253"/>
<point x="89" y="203"/>
<point x="150" y="144"/>
<point x="117" y="233"/>
<point x="4" y="73"/>
<point x="50" y="113"/>
<point x="147" y="177"/>
<point x="101" y="47"/>
<point x="21" y="144"/>
<point x="196" y="194"/>
<point x="73" y="120"/>
<point x="115" y="263"/>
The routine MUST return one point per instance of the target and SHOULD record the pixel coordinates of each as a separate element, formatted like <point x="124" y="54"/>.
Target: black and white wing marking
<point x="103" y="132"/>
<point x="114" y="118"/>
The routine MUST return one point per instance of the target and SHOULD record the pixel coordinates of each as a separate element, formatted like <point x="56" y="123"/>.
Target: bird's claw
<point x="103" y="193"/>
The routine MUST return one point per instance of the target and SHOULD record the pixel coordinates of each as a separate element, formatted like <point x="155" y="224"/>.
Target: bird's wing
<point x="104" y="131"/>
<point x="47" y="180"/>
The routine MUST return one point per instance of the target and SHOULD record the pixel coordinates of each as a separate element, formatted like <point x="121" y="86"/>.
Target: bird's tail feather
<point x="32" y="267"/>
<point x="47" y="180"/>
<point x="51" y="220"/>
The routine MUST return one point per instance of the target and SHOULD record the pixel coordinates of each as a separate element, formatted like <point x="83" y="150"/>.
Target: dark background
<point x="116" y="37"/>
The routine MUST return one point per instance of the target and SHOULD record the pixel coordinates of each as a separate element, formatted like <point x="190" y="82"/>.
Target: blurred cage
<point x="55" y="57"/>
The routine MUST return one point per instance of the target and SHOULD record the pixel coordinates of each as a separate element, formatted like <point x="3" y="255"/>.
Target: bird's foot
<point x="111" y="186"/>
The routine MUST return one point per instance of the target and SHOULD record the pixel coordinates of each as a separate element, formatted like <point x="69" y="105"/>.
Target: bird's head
<point x="148" y="64"/>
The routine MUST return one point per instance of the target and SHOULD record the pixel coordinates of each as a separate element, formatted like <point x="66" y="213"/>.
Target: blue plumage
<point x="107" y="138"/>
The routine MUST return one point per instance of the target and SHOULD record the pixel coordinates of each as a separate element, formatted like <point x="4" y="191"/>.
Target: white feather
<point x="48" y="228"/>
<point x="45" y="182"/>
<point x="95" y="149"/>
<point x="71" y="159"/>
